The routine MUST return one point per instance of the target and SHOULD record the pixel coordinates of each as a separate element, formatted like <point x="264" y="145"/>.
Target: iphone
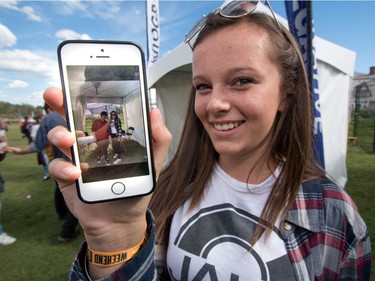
<point x="106" y="105"/>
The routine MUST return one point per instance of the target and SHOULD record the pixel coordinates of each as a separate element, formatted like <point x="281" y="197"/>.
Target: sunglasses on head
<point x="234" y="9"/>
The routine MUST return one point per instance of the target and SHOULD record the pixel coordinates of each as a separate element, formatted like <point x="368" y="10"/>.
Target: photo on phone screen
<point x="106" y="105"/>
<point x="106" y="101"/>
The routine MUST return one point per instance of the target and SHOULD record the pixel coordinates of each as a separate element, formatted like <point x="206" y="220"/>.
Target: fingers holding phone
<point x="54" y="98"/>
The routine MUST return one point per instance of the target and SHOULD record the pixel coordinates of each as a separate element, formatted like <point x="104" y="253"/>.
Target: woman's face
<point x="113" y="115"/>
<point x="237" y="89"/>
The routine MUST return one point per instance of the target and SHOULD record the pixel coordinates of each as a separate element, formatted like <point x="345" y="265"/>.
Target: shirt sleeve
<point x="356" y="264"/>
<point x="41" y="139"/>
<point x="141" y="267"/>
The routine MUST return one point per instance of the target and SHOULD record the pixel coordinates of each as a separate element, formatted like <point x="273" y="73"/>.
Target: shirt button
<point x="287" y="226"/>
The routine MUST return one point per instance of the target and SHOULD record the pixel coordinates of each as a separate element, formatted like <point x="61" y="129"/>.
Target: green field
<point x="38" y="256"/>
<point x="364" y="131"/>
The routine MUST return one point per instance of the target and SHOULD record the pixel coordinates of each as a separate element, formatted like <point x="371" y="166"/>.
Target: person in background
<point x="5" y="239"/>
<point x="3" y="127"/>
<point x="115" y="131"/>
<point x="99" y="130"/>
<point x="42" y="158"/>
<point x="41" y="143"/>
<point x="26" y="129"/>
<point x="242" y="198"/>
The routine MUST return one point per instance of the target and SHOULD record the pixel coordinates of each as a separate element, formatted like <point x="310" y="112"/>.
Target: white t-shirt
<point x="34" y="130"/>
<point x="213" y="241"/>
<point x="113" y="128"/>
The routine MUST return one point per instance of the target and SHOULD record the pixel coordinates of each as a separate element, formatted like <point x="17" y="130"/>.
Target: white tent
<point x="171" y="77"/>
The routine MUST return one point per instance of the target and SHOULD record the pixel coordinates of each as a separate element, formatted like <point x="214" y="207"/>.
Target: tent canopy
<point x="94" y="89"/>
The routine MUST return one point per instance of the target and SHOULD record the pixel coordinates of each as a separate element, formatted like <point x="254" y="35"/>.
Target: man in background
<point x="99" y="130"/>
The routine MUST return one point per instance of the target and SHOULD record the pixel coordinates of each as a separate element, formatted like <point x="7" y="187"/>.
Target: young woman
<point x="242" y="199"/>
<point x="115" y="132"/>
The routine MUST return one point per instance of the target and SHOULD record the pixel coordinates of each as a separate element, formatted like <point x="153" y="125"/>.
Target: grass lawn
<point x="361" y="187"/>
<point x="38" y="256"/>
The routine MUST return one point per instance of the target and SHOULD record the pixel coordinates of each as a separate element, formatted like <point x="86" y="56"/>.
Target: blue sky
<point x="30" y="32"/>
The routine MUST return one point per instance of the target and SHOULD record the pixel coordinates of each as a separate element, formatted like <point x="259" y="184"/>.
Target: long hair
<point x="291" y="144"/>
<point x="113" y="112"/>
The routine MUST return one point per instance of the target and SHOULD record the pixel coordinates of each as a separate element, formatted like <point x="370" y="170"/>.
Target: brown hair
<point x="37" y="117"/>
<point x="189" y="171"/>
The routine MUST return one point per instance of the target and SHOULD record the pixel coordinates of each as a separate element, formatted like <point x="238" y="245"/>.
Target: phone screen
<point x="107" y="107"/>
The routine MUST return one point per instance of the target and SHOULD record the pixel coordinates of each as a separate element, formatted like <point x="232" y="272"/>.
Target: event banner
<point x="300" y="22"/>
<point x="153" y="31"/>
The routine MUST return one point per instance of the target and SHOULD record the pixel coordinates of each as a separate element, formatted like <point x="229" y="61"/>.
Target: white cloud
<point x="7" y="38"/>
<point x="27" y="10"/>
<point x="70" y="7"/>
<point x="30" y="13"/>
<point x="90" y="9"/>
<point x="15" y="84"/>
<point x="25" y="61"/>
<point x="65" y="34"/>
<point x="11" y="5"/>
<point x="35" y="98"/>
<point x="38" y="97"/>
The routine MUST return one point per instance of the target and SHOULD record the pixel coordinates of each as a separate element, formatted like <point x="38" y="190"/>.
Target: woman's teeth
<point x="227" y="126"/>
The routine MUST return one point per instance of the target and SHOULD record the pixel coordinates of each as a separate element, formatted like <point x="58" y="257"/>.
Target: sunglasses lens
<point x="234" y="9"/>
<point x="238" y="8"/>
<point x="196" y="28"/>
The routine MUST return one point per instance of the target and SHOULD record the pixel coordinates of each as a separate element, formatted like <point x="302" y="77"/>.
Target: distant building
<point x="363" y="90"/>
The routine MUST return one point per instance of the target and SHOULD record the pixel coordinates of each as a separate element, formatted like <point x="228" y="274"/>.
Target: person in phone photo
<point x="99" y="130"/>
<point x="242" y="198"/>
<point x="115" y="131"/>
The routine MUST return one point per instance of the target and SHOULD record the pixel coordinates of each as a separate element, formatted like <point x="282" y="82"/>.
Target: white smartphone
<point x="106" y="104"/>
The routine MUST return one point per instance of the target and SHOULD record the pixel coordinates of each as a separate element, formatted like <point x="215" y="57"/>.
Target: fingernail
<point x="68" y="171"/>
<point x="58" y="135"/>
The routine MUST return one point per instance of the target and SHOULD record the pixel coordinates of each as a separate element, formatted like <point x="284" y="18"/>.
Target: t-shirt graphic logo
<point x="215" y="244"/>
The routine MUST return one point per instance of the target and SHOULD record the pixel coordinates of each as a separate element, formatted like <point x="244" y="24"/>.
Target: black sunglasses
<point x="234" y="9"/>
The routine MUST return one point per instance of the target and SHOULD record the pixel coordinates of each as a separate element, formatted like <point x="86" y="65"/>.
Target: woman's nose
<point x="218" y="101"/>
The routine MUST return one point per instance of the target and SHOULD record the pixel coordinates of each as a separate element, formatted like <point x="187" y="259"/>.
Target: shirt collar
<point x="308" y="208"/>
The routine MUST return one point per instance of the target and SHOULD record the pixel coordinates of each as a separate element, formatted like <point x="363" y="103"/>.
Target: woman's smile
<point x="227" y="126"/>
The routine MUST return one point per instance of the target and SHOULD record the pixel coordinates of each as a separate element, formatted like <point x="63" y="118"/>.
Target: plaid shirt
<point x="117" y="123"/>
<point x="325" y="237"/>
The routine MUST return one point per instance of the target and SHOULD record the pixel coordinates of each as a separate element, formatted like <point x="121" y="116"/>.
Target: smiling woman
<point x="242" y="196"/>
<point x="237" y="93"/>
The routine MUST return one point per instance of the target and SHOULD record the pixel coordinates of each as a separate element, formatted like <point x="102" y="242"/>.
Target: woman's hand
<point x="109" y="226"/>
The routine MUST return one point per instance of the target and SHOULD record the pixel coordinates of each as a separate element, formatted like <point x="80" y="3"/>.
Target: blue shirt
<point x="49" y="122"/>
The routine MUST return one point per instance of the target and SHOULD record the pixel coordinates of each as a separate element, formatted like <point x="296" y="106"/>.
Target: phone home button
<point x="118" y="188"/>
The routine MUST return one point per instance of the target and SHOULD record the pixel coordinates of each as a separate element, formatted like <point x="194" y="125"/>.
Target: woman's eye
<point x="243" y="81"/>
<point x="201" y="87"/>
